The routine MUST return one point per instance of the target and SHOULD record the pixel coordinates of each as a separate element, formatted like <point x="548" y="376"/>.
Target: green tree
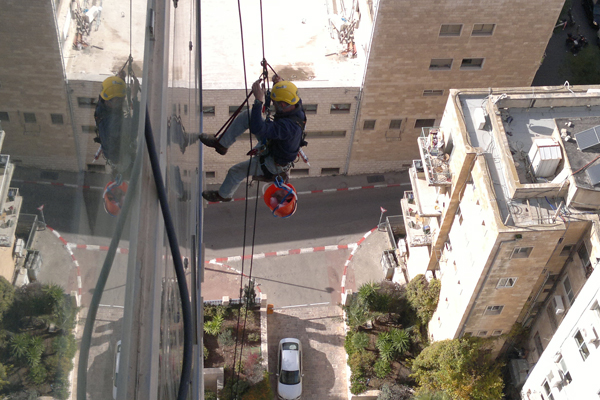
<point x="462" y="368"/>
<point x="432" y="396"/>
<point x="7" y="296"/>
<point x="367" y="294"/>
<point x="423" y="296"/>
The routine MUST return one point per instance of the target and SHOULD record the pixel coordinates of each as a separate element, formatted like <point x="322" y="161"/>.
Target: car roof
<point x="290" y="360"/>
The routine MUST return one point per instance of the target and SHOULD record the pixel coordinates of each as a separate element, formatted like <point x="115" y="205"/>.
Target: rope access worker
<point x="280" y="139"/>
<point x="116" y="132"/>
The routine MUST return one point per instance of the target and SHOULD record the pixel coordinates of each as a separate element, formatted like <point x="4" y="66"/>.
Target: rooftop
<point x="300" y="43"/>
<point x="522" y="124"/>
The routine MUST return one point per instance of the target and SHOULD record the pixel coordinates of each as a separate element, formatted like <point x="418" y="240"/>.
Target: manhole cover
<point x="375" y="178"/>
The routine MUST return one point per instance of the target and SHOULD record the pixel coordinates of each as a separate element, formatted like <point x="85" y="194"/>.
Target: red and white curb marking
<point x="327" y="191"/>
<point x="305" y="250"/>
<point x="93" y="247"/>
<point x="69" y="185"/>
<point x="356" y="246"/>
<point x="75" y="262"/>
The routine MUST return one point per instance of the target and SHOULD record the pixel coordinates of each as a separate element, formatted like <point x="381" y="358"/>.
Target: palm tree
<point x="400" y="339"/>
<point x="385" y="346"/>
<point x="367" y="294"/>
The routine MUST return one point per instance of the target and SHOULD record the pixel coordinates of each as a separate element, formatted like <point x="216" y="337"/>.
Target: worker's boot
<point x="212" y="141"/>
<point x="213" y="196"/>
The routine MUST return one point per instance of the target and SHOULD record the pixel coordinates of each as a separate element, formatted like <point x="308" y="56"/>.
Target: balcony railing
<point x="435" y="160"/>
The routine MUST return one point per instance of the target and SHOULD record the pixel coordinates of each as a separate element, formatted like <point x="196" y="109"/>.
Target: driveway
<point x="321" y="331"/>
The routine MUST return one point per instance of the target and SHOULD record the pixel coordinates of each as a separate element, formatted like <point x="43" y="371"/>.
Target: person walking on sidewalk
<point x="279" y="139"/>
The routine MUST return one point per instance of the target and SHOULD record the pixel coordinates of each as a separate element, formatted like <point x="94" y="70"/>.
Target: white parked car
<point x="289" y="369"/>
<point x="116" y="371"/>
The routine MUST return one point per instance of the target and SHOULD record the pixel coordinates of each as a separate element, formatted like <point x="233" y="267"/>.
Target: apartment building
<point x="365" y="109"/>
<point x="504" y="205"/>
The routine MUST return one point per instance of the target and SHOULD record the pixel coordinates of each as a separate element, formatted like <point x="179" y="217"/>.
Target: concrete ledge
<point x="368" y="395"/>
<point x="264" y="337"/>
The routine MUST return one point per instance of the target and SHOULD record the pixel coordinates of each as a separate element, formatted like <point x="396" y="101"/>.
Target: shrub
<point x="395" y="392"/>
<point x="37" y="374"/>
<point x="213" y="327"/>
<point x="382" y="368"/>
<point x="348" y="343"/>
<point x="226" y="339"/>
<point x="357" y="313"/>
<point x="253" y="368"/>
<point x="19" y="344"/>
<point x="209" y="395"/>
<point x="234" y="389"/>
<point x="362" y="361"/>
<point x="247" y="315"/>
<point x="205" y="353"/>
<point x="367" y="294"/>
<point x="400" y="339"/>
<point x="358" y="383"/>
<point x="254" y="337"/>
<point x="423" y="296"/>
<point x="249" y="294"/>
<point x="3" y="376"/>
<point x="7" y="296"/>
<point x="260" y="391"/>
<point x="360" y="340"/>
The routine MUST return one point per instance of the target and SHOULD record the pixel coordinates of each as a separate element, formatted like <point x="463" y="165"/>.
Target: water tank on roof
<point x="545" y="155"/>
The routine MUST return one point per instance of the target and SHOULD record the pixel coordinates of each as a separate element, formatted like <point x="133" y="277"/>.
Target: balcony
<point x="419" y="229"/>
<point x="435" y="159"/>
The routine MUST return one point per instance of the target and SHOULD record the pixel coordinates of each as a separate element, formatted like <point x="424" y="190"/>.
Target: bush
<point x="260" y="391"/>
<point x="382" y="368"/>
<point x="360" y="340"/>
<point x="423" y="296"/>
<point x="400" y="340"/>
<point x="205" y="353"/>
<point x="7" y="296"/>
<point x="253" y="368"/>
<point x="395" y="392"/>
<point x="37" y="374"/>
<point x="362" y="361"/>
<point x="213" y="327"/>
<point x="209" y="395"/>
<point x="234" y="389"/>
<point x="226" y="338"/>
<point x="254" y="337"/>
<point x="358" y="383"/>
<point x="348" y="343"/>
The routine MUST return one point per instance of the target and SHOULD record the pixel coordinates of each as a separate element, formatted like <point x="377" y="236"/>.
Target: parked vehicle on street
<point x="592" y="12"/>
<point x="289" y="369"/>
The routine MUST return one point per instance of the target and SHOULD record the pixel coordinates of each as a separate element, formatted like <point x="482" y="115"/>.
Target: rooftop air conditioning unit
<point x="589" y="334"/>
<point x="545" y="156"/>
<point x="559" y="307"/>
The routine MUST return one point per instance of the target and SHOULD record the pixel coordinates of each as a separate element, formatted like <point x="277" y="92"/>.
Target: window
<point x="4" y="116"/>
<point x="29" y="118"/>
<point x="209" y="111"/>
<point x="57" y="119"/>
<point x="584" y="255"/>
<point x="433" y="92"/>
<point x="440" y="64"/>
<point x="538" y="344"/>
<point x="233" y="109"/>
<point x="210" y="174"/>
<point x="472" y="63"/>
<point x="299" y="172"/>
<point x="341" y="108"/>
<point x="566" y="250"/>
<point x="497" y="332"/>
<point x="506" y="283"/>
<point x="565" y="371"/>
<point x="96" y="167"/>
<point x="87" y="102"/>
<point x="468" y="334"/>
<point x="323" y="134"/>
<point x="185" y="109"/>
<point x="424" y="123"/>
<point x="88" y="128"/>
<point x="521" y="252"/>
<point x="548" y="390"/>
<point x="483" y="29"/>
<point x="330" y="171"/>
<point x="551" y="311"/>
<point x="369" y="124"/>
<point x="568" y="289"/>
<point x="493" y="310"/>
<point x="482" y="333"/>
<point x="310" y="108"/>
<point x="583" y="349"/>
<point x="450" y="30"/>
<point x="395" y="124"/>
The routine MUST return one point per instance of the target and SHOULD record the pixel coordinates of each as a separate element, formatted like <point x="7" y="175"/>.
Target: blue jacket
<point x="283" y="133"/>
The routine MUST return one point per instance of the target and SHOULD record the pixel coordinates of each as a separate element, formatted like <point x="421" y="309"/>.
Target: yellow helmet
<point x="113" y="87"/>
<point x="285" y="91"/>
